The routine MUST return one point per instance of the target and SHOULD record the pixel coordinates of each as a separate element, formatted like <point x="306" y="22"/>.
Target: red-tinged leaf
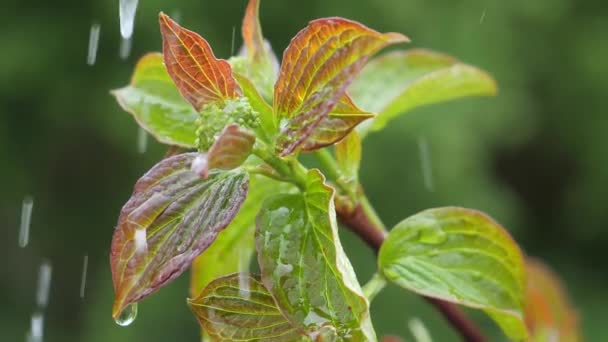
<point x="549" y="314"/>
<point x="318" y="65"/>
<point x="171" y="218"/>
<point x="230" y="149"/>
<point x="200" y="77"/>
<point x="338" y="124"/>
<point x="252" y="32"/>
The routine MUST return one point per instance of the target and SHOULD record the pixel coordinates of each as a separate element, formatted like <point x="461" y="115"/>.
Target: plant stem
<point x="374" y="286"/>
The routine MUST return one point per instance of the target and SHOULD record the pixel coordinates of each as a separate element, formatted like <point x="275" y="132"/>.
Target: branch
<point x="361" y="222"/>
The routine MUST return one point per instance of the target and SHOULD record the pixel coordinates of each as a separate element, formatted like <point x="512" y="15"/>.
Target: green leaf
<point x="461" y="256"/>
<point x="157" y="105"/>
<point x="172" y="216"/>
<point x="257" y="102"/>
<point x="229" y="150"/>
<point x="304" y="266"/>
<point x="398" y="82"/>
<point x="238" y="307"/>
<point x="348" y="156"/>
<point x="232" y="250"/>
<point x="318" y="65"/>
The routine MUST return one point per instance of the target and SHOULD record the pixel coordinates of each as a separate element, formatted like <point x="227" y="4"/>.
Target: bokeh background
<point x="535" y="157"/>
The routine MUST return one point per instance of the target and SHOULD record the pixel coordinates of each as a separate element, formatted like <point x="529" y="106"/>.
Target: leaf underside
<point x="172" y="216"/>
<point x="318" y="65"/>
<point x="304" y="266"/>
<point x="461" y="256"/>
<point x="238" y="307"/>
<point x="157" y="105"/>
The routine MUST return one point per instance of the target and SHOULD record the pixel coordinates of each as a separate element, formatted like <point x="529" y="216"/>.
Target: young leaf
<point x="461" y="256"/>
<point x="156" y="105"/>
<point x="172" y="216"/>
<point x="549" y="313"/>
<point x="266" y="115"/>
<point x="348" y="156"/>
<point x="342" y="120"/>
<point x="200" y="77"/>
<point x="398" y="82"/>
<point x="318" y="65"/>
<point x="234" y="245"/>
<point x="230" y="149"/>
<point x="304" y="266"/>
<point x="229" y="312"/>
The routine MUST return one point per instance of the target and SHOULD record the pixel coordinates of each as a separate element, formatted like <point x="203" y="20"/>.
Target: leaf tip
<point x="395" y="38"/>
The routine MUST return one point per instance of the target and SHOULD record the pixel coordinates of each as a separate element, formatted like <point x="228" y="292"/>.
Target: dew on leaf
<point x="127" y="316"/>
<point x="425" y="163"/>
<point x="26" y="219"/>
<point x="83" y="278"/>
<point x="44" y="284"/>
<point x="126" y="14"/>
<point x="93" y="43"/>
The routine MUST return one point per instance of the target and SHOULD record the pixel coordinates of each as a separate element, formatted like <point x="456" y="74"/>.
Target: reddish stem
<point x="358" y="221"/>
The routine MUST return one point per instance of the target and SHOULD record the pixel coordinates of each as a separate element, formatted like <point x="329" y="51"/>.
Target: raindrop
<point x="142" y="141"/>
<point x="44" y="284"/>
<point x="83" y="279"/>
<point x="141" y="242"/>
<point x="93" y="43"/>
<point x="26" y="218"/>
<point x="125" y="48"/>
<point x="36" y="328"/>
<point x="483" y="16"/>
<point x="419" y="330"/>
<point x="126" y="14"/>
<point x="432" y="236"/>
<point x="233" y="40"/>
<point x="243" y="275"/>
<point x="127" y="316"/>
<point x="425" y="162"/>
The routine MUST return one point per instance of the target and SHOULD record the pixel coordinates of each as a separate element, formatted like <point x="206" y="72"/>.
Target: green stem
<point x="374" y="286"/>
<point x="289" y="170"/>
<point x="370" y="212"/>
<point x="330" y="165"/>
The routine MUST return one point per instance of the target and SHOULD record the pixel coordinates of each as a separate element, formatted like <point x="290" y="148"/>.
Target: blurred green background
<point x="534" y="157"/>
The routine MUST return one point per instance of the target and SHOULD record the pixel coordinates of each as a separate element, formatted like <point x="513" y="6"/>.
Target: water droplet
<point x="127" y="316"/>
<point x="126" y="13"/>
<point x="141" y="241"/>
<point x="142" y="141"/>
<point x="37" y="328"/>
<point x="44" y="284"/>
<point x="26" y="219"/>
<point x="432" y="235"/>
<point x="425" y="163"/>
<point x="93" y="43"/>
<point x="83" y="279"/>
<point x="125" y="48"/>
<point x="419" y="330"/>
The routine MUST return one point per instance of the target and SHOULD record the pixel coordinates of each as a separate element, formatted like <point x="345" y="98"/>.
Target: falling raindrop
<point x="243" y="275"/>
<point x="425" y="162"/>
<point x="125" y="47"/>
<point x="419" y="330"/>
<point x="83" y="279"/>
<point x="142" y="140"/>
<point x="141" y="241"/>
<point x="233" y="40"/>
<point x="93" y="43"/>
<point x="127" y="316"/>
<point x="26" y="219"/>
<point x="483" y="16"/>
<point x="37" y="328"/>
<point x="44" y="284"/>
<point x="126" y="13"/>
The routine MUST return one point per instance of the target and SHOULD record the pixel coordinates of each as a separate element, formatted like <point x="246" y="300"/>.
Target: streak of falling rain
<point x="233" y="41"/>
<point x="142" y="140"/>
<point x="36" y="332"/>
<point x="419" y="330"/>
<point x="141" y="241"/>
<point x="83" y="278"/>
<point x="425" y="163"/>
<point x="176" y="15"/>
<point x="126" y="14"/>
<point x="125" y="47"/>
<point x="44" y="284"/>
<point x="243" y="275"/>
<point x="26" y="219"/>
<point x="93" y="43"/>
<point x="483" y="16"/>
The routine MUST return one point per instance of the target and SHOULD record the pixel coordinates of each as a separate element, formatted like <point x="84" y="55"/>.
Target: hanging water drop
<point x="126" y="14"/>
<point x="127" y="316"/>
